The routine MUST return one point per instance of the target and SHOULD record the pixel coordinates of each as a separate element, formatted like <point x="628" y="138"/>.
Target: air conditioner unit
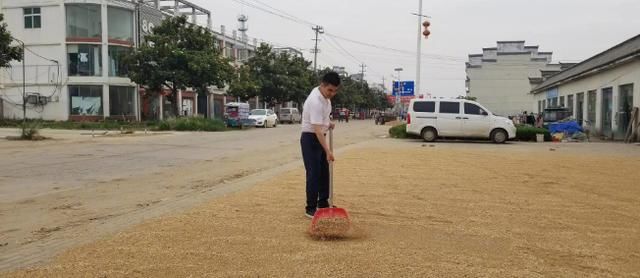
<point x="32" y="98"/>
<point x="43" y="100"/>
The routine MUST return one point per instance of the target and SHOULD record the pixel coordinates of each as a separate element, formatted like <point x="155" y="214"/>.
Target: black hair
<point x="331" y="78"/>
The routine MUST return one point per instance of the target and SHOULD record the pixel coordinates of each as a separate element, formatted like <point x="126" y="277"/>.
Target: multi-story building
<point x="289" y="50"/>
<point x="73" y="67"/>
<point x="500" y="77"/>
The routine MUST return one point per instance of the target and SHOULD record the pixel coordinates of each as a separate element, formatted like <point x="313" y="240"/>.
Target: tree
<point x="275" y="78"/>
<point x="380" y="100"/>
<point x="243" y="85"/>
<point x="8" y="53"/>
<point x="178" y="55"/>
<point x="300" y="79"/>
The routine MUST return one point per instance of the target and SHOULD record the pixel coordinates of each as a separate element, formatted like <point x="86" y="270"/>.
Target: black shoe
<point x="310" y="213"/>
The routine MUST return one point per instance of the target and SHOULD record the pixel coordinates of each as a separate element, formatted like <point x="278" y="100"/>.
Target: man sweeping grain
<point x="315" y="148"/>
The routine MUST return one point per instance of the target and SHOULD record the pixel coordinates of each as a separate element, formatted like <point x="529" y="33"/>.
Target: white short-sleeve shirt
<point x="316" y="111"/>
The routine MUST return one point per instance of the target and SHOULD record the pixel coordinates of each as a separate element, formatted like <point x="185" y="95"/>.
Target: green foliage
<point x="102" y="125"/>
<point x="178" y="55"/>
<point x="358" y="94"/>
<point x="400" y="132"/>
<point x="275" y="78"/>
<point x="192" y="124"/>
<point x="244" y="85"/>
<point x="528" y="133"/>
<point x="8" y="53"/>
<point x="31" y="131"/>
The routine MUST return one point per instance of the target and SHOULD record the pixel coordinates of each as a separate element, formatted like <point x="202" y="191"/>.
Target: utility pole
<point x="362" y="71"/>
<point x="419" y="50"/>
<point x="319" y="30"/>
<point x="24" y="91"/>
<point x="419" y="43"/>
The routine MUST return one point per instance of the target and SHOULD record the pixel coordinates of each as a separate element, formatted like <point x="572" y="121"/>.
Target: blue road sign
<point x="405" y="88"/>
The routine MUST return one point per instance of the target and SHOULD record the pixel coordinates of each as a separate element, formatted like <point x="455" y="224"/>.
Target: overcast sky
<point x="572" y="29"/>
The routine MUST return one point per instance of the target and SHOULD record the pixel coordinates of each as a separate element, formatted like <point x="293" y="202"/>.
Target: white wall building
<point x="602" y="90"/>
<point x="499" y="77"/>
<point x="72" y="62"/>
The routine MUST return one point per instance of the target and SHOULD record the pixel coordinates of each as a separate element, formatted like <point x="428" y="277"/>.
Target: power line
<point x="345" y="51"/>
<point x="293" y="19"/>
<point x="433" y="56"/>
<point x="282" y="14"/>
<point x="297" y="19"/>
<point x="342" y="52"/>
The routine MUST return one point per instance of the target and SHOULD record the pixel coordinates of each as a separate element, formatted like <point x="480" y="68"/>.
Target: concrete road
<point x="59" y="193"/>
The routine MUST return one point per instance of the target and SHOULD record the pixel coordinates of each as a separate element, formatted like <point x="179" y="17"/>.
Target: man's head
<point x="330" y="84"/>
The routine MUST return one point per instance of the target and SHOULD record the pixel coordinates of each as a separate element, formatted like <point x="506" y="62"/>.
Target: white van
<point x="459" y="118"/>
<point x="290" y="115"/>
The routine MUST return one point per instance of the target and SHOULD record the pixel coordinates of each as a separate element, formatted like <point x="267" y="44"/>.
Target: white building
<point x="289" y="50"/>
<point x="73" y="66"/>
<point x="499" y="77"/>
<point x="602" y="90"/>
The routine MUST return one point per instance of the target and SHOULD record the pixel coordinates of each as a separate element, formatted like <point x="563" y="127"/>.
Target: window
<point x="121" y="101"/>
<point x="450" y="107"/>
<point x="472" y="109"/>
<point x="424" y="106"/>
<point x="83" y="22"/>
<point x="562" y="101"/>
<point x="544" y="104"/>
<point x="120" y="25"/>
<point x="228" y="51"/>
<point x="84" y="60"/>
<point x="570" y="103"/>
<point x="591" y="106"/>
<point x="86" y="100"/>
<point x="32" y="18"/>
<point x="580" y="107"/>
<point x="539" y="106"/>
<point x="116" y="65"/>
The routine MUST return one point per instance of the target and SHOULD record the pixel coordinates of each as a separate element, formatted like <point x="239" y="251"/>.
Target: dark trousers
<point x="317" y="167"/>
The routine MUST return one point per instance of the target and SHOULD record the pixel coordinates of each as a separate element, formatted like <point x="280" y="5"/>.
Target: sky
<point x="386" y="32"/>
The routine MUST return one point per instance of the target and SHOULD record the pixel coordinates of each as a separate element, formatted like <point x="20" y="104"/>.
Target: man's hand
<point x="330" y="157"/>
<point x="332" y="125"/>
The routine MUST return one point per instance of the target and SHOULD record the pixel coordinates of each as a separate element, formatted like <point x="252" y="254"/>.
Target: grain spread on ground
<point x="445" y="211"/>
<point x="330" y="228"/>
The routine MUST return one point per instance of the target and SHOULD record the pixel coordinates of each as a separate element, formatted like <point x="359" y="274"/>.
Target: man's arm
<point x="320" y="135"/>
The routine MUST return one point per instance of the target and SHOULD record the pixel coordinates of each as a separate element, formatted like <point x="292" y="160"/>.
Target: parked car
<point x="290" y="115"/>
<point x="456" y="118"/>
<point x="264" y="117"/>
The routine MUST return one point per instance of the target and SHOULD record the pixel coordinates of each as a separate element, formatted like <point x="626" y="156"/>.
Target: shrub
<point x="192" y="124"/>
<point x="529" y="133"/>
<point x="400" y="132"/>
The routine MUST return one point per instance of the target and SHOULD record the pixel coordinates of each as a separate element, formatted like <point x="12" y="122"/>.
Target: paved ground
<point x="76" y="188"/>
<point x="420" y="210"/>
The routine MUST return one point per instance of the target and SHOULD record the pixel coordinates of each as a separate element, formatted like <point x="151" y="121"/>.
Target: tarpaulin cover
<point x="570" y="127"/>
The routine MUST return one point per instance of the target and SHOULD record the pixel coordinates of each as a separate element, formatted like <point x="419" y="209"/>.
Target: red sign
<point x="403" y="100"/>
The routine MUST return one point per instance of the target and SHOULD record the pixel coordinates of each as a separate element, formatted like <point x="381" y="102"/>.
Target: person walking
<point x="315" y="148"/>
